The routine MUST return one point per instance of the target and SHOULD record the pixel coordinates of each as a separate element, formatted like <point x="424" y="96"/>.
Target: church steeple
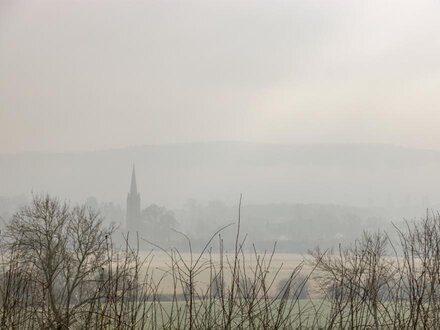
<point x="133" y="187"/>
<point x="133" y="215"/>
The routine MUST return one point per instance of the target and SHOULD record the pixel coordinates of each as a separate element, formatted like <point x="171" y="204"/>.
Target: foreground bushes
<point x="60" y="270"/>
<point x="380" y="284"/>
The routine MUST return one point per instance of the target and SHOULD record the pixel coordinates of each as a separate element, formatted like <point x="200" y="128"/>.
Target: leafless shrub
<point x="60" y="270"/>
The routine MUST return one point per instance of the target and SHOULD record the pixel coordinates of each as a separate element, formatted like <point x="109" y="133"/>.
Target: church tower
<point x="133" y="216"/>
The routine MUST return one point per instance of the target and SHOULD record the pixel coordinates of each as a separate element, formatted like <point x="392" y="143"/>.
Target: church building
<point x="154" y="222"/>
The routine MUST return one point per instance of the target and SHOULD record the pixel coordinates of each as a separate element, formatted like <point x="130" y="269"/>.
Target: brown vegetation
<point x="60" y="270"/>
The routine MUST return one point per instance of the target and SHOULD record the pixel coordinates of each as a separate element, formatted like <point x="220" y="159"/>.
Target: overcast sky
<point x="97" y="74"/>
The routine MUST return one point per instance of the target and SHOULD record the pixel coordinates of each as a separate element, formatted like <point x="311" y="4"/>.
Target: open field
<point x="280" y="266"/>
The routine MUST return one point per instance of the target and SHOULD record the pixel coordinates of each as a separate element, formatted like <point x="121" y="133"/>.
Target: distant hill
<point x="265" y="173"/>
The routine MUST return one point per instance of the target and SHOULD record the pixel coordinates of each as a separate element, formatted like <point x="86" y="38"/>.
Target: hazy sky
<point x="93" y="74"/>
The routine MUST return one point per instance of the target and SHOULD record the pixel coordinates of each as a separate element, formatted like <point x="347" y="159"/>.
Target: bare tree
<point x="356" y="282"/>
<point x="66" y="248"/>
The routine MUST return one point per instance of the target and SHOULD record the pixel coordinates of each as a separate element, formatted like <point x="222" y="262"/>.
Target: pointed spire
<point x="133" y="214"/>
<point x="133" y="187"/>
